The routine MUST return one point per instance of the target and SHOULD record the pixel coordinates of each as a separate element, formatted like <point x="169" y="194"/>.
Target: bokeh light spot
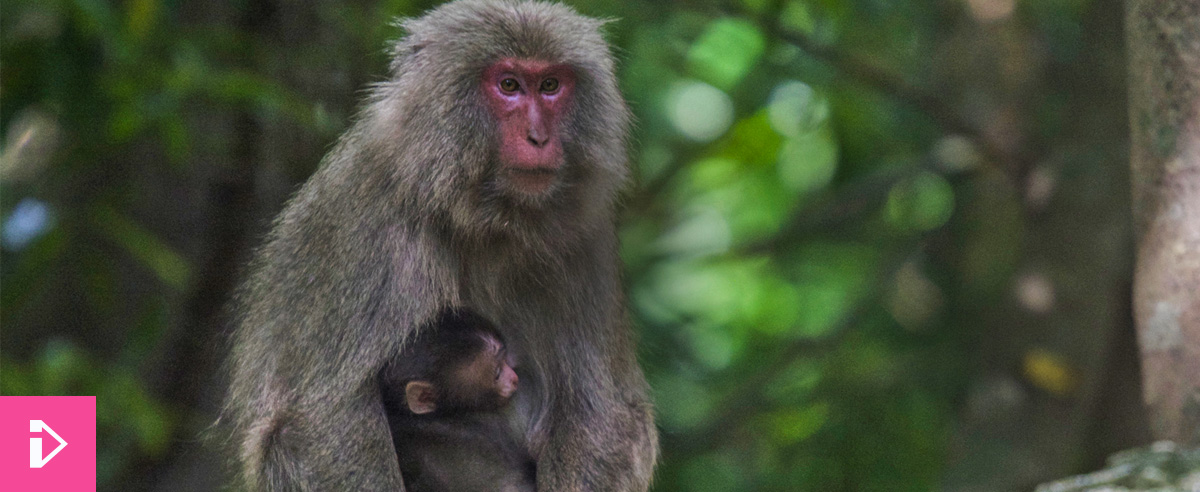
<point x="28" y="221"/>
<point x="699" y="111"/>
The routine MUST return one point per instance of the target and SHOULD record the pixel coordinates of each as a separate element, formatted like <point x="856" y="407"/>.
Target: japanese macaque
<point x="443" y="395"/>
<point x="482" y="174"/>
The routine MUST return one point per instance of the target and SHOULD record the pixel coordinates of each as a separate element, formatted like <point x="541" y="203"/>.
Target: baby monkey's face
<point x="483" y="381"/>
<point x="490" y="372"/>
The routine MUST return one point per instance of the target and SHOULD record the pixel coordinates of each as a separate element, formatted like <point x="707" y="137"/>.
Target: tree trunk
<point x="1164" y="84"/>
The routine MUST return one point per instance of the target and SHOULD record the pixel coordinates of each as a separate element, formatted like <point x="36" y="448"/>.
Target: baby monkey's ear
<point x="421" y="397"/>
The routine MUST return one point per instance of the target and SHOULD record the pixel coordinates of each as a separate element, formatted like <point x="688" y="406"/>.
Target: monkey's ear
<point x="421" y="397"/>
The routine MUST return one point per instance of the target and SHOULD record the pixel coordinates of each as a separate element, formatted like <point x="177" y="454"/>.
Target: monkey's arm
<point x="602" y="443"/>
<point x="601" y="432"/>
<point x="312" y="425"/>
<point x="322" y="317"/>
<point x="342" y="445"/>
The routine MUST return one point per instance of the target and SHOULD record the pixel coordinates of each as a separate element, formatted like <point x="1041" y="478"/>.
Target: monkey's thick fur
<point x="404" y="218"/>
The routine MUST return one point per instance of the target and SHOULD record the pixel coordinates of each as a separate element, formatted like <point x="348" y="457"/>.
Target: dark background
<point x="873" y="244"/>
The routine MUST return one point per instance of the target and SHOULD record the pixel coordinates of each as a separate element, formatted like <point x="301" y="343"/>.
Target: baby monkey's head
<point x="467" y="370"/>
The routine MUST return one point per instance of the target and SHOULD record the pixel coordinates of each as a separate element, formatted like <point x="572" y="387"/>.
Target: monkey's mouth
<point x="534" y="181"/>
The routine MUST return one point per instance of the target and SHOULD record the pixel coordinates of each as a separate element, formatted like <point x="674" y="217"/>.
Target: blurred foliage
<point x="807" y="215"/>
<point x="129" y="421"/>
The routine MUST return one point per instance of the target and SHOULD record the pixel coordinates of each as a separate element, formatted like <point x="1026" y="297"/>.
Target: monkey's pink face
<point x="529" y="98"/>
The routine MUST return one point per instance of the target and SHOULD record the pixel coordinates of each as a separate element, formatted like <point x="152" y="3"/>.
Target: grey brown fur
<point x="402" y="220"/>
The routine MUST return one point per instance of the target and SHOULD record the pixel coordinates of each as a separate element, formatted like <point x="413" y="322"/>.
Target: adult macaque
<point x="481" y="175"/>
<point x="442" y="396"/>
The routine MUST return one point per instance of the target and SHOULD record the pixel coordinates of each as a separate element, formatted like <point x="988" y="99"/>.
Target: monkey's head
<point x="528" y="98"/>
<point x="466" y="370"/>
<point x="474" y="381"/>
<point x="506" y="115"/>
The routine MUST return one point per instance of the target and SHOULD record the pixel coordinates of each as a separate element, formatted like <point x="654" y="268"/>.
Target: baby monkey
<point x="444" y="395"/>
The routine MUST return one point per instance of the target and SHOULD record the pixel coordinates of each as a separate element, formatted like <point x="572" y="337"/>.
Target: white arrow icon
<point x="35" y="444"/>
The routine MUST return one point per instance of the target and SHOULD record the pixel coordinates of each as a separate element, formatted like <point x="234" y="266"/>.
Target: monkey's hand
<point x="612" y="448"/>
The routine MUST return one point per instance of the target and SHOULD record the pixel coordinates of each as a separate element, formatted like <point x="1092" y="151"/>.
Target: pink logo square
<point x="47" y="443"/>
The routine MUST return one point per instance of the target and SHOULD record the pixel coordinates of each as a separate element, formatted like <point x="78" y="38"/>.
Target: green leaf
<point x="267" y="95"/>
<point x="791" y="425"/>
<point x="726" y="52"/>
<point x="681" y="402"/>
<point x="144" y="246"/>
<point x="921" y="203"/>
<point x="830" y="278"/>
<point x="141" y="18"/>
<point x="716" y="472"/>
<point x="796" y="17"/>
<point x="30" y="269"/>
<point x="98" y="16"/>
<point x="808" y="162"/>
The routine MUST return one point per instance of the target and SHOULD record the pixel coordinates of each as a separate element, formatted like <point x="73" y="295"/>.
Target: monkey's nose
<point x="537" y="138"/>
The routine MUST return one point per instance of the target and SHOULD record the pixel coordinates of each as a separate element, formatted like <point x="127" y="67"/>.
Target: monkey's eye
<point x="499" y="370"/>
<point x="549" y="85"/>
<point x="509" y="85"/>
